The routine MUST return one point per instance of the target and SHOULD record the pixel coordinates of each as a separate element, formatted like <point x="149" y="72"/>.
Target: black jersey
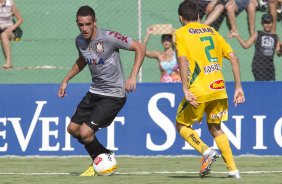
<point x="265" y="46"/>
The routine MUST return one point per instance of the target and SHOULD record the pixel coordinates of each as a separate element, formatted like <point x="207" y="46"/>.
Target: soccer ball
<point x="105" y="164"/>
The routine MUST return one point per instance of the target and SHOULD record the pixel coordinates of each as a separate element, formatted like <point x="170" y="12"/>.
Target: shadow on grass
<point x="196" y="177"/>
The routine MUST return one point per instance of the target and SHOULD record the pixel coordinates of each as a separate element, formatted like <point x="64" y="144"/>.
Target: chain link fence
<point x="47" y="50"/>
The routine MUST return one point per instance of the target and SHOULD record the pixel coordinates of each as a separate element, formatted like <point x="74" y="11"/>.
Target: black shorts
<point x="97" y="111"/>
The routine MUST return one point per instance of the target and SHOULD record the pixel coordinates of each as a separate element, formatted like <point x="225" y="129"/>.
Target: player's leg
<point x="216" y="113"/>
<point x="192" y="137"/>
<point x="83" y="133"/>
<point x="102" y="115"/>
<point x="82" y="117"/>
<point x="186" y="116"/>
<point x="105" y="111"/>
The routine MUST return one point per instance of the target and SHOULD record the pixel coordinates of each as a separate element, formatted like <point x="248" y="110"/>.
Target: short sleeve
<point x="179" y="44"/>
<point x="224" y="45"/>
<point x="118" y="40"/>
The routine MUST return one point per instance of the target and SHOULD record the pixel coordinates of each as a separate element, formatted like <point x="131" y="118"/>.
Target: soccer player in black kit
<point x="99" y="49"/>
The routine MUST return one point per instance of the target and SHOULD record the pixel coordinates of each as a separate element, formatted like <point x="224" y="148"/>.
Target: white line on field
<point x="140" y="173"/>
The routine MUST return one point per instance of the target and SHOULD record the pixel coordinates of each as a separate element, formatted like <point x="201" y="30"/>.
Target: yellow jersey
<point x="204" y="49"/>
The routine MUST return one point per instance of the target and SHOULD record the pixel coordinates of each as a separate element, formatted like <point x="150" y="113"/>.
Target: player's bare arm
<point x="77" y="67"/>
<point x="185" y="78"/>
<point x="239" y="93"/>
<point x="140" y="49"/>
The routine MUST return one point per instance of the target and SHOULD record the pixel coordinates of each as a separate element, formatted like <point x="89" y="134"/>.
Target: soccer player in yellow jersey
<point x="200" y="51"/>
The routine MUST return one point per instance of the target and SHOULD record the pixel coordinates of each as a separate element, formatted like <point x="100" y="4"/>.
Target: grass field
<point x="132" y="170"/>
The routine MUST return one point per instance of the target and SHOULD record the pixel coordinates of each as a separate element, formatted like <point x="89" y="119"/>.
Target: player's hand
<point x="239" y="96"/>
<point x="62" y="91"/>
<point x="130" y="85"/>
<point x="191" y="98"/>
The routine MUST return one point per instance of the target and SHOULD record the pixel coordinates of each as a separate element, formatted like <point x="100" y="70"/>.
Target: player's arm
<point x="239" y="93"/>
<point x="184" y="67"/>
<point x="76" y="68"/>
<point x="184" y="70"/>
<point x="231" y="56"/>
<point x="139" y="50"/>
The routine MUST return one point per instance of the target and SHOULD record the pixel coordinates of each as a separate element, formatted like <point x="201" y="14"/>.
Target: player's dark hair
<point x="189" y="10"/>
<point x="86" y="11"/>
<point x="166" y="37"/>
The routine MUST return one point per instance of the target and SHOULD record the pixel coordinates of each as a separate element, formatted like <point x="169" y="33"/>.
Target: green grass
<point x="132" y="170"/>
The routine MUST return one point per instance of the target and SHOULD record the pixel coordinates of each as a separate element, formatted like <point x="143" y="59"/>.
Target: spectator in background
<point x="235" y="7"/>
<point x="166" y="59"/>
<point x="266" y="43"/>
<point x="213" y="10"/>
<point x="8" y="11"/>
<point x="273" y="7"/>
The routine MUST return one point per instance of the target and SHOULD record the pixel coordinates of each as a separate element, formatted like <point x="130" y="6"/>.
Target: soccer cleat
<point x="207" y="163"/>
<point x="234" y="174"/>
<point x="89" y="172"/>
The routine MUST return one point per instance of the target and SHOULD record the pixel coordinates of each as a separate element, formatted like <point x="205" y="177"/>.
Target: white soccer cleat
<point x="234" y="174"/>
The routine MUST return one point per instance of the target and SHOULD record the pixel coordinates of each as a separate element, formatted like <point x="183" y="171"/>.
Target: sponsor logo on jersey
<point x="200" y="30"/>
<point x="212" y="68"/>
<point x="99" y="61"/>
<point x="99" y="47"/>
<point x="219" y="115"/>
<point x="119" y="36"/>
<point x="219" y="84"/>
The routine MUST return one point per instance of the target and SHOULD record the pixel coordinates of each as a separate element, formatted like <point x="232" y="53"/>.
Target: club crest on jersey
<point x="90" y="48"/>
<point x="219" y="84"/>
<point x="99" y="47"/>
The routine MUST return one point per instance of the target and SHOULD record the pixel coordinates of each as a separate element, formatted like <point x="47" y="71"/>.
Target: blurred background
<point x="47" y="49"/>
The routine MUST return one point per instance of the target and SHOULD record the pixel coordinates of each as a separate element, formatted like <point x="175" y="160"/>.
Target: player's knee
<point x="178" y="126"/>
<point x="73" y="130"/>
<point x="215" y="129"/>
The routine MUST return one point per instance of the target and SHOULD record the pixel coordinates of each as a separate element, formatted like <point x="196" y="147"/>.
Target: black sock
<point x="95" y="148"/>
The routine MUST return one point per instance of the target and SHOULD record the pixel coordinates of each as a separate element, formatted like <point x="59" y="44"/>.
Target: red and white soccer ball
<point x="105" y="164"/>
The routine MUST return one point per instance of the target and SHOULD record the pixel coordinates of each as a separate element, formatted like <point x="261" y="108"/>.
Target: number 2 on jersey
<point x="209" y="48"/>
